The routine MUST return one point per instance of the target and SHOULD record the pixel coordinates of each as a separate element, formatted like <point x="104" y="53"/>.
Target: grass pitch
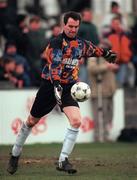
<point x="95" y="161"/>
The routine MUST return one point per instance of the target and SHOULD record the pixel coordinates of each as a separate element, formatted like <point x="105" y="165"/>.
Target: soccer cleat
<point x="66" y="166"/>
<point x="13" y="164"/>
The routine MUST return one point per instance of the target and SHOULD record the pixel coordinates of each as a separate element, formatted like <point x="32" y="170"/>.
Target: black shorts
<point x="45" y="99"/>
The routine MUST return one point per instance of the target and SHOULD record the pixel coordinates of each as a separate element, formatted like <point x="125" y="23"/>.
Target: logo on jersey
<point x="70" y="63"/>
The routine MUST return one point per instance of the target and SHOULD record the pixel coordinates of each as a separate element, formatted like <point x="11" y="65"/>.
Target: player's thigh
<point x="74" y="116"/>
<point x="44" y="101"/>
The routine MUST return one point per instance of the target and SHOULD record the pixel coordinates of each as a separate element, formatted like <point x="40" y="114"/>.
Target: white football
<point x="80" y="91"/>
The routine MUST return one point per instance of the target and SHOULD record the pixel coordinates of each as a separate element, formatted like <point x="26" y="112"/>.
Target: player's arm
<point x="55" y="68"/>
<point x="53" y="56"/>
<point x="94" y="51"/>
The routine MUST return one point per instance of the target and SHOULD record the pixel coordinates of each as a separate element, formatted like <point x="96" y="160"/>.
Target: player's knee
<point x="31" y="121"/>
<point x="76" y="123"/>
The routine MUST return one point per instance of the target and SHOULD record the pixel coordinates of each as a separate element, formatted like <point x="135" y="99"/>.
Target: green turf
<point x="95" y="161"/>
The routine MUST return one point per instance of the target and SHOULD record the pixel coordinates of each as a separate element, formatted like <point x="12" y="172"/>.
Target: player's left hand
<point x="110" y="56"/>
<point x="58" y="93"/>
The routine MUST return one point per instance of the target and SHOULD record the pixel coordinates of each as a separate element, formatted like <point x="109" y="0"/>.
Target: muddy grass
<point x="101" y="162"/>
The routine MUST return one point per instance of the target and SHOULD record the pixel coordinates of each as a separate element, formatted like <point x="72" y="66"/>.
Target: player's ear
<point x="63" y="25"/>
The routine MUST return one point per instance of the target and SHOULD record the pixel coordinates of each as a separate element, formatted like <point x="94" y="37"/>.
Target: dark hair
<point x="55" y="25"/>
<point x="34" y="19"/>
<point x="8" y="44"/>
<point x="71" y="14"/>
<point x="117" y="17"/>
<point x="20" y="18"/>
<point x="114" y="4"/>
<point x="86" y="9"/>
<point x="8" y="60"/>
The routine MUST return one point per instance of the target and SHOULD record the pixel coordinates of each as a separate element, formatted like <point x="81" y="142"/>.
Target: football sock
<point x="20" y="140"/>
<point x="69" y="142"/>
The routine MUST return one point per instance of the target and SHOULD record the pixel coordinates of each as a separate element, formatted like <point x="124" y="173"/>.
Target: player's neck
<point x="66" y="37"/>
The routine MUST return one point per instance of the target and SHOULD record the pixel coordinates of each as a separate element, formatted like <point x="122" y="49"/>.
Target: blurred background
<point x="25" y="29"/>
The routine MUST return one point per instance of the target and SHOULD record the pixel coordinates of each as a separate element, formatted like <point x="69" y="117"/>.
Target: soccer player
<point x="62" y="56"/>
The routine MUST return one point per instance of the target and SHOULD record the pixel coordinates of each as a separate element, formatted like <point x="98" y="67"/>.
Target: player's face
<point x="71" y="27"/>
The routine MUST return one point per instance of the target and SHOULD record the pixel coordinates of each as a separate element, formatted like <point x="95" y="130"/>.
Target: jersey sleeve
<point x="93" y="51"/>
<point x="53" y="55"/>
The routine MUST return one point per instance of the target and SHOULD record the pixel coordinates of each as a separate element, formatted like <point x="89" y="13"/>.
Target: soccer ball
<point x="80" y="91"/>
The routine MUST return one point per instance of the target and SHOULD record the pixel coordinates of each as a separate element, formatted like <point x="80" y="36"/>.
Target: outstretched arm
<point x="95" y="51"/>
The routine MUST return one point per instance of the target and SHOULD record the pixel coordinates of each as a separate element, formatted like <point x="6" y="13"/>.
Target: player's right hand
<point x="58" y="93"/>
